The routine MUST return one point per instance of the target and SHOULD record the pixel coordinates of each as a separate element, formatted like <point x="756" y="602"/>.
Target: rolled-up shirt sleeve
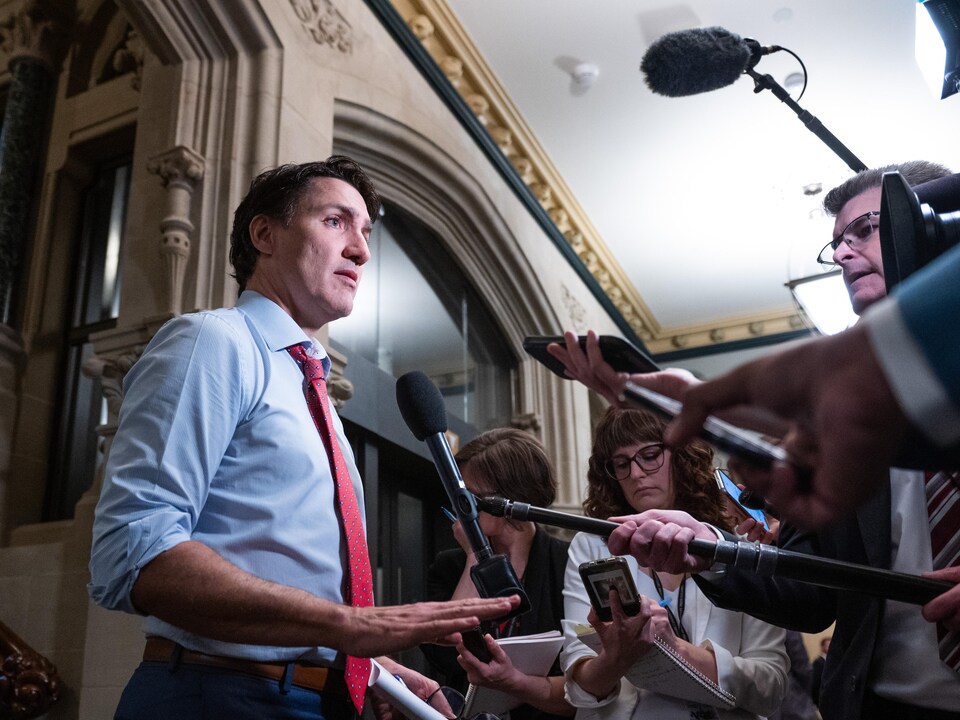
<point x="181" y="406"/>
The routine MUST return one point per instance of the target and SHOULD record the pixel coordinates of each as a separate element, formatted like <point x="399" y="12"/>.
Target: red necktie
<point x="361" y="590"/>
<point x="943" y="510"/>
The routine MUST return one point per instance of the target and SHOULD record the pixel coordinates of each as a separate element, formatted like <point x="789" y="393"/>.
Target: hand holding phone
<point x="733" y="492"/>
<point x="600" y="577"/>
<point x="475" y="641"/>
<point x="618" y="353"/>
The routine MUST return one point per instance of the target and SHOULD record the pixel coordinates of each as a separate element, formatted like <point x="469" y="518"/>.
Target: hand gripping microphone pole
<point x="754" y="557"/>
<point x="421" y="406"/>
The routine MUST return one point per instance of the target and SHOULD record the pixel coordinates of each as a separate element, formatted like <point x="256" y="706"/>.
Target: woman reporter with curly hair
<point x="632" y="470"/>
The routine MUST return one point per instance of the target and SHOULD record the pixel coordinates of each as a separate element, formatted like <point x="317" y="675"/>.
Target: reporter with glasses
<point x="631" y="470"/>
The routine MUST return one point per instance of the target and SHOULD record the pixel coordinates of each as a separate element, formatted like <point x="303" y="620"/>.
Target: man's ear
<point x="261" y="234"/>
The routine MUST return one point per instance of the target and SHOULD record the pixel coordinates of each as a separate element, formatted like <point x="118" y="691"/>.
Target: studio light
<point x="824" y="300"/>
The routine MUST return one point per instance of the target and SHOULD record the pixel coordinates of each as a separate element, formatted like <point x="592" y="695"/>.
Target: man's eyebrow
<point x="350" y="212"/>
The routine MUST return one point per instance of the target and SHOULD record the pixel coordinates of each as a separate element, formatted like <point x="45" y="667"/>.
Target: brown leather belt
<point x="311" y="677"/>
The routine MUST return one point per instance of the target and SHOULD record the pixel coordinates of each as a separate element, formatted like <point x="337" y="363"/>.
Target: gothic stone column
<point x="180" y="169"/>
<point x="29" y="37"/>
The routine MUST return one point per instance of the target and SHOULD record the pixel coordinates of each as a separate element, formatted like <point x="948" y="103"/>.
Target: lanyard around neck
<point x="675" y="623"/>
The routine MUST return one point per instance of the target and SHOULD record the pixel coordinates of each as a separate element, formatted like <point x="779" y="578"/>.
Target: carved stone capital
<point x="110" y="371"/>
<point x="129" y="57"/>
<point x="37" y="30"/>
<point x="339" y="389"/>
<point x="29" y="683"/>
<point x="324" y="23"/>
<point x="178" y="166"/>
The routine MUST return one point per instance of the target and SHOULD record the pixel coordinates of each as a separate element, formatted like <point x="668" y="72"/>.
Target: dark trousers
<point x="158" y="691"/>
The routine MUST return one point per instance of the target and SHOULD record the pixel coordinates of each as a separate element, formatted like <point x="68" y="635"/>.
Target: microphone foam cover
<point x="688" y="62"/>
<point x="421" y="405"/>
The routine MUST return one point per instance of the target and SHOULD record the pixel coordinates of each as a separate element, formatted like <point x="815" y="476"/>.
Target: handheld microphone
<point x="766" y="560"/>
<point x="689" y="62"/>
<point x="421" y="406"/>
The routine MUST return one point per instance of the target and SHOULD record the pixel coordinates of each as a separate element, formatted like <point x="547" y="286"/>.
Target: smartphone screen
<point x="731" y="489"/>
<point x="600" y="577"/>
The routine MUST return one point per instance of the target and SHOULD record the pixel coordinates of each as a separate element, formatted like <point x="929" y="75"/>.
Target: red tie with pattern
<point x="361" y="590"/>
<point x="943" y="510"/>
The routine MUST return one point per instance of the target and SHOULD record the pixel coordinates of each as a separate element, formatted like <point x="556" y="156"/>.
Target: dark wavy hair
<point x="914" y="172"/>
<point x="513" y="464"/>
<point x="277" y="193"/>
<point x="695" y="488"/>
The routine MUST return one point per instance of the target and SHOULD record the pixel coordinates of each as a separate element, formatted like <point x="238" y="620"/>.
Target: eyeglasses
<point x="648" y="458"/>
<point x="855" y="235"/>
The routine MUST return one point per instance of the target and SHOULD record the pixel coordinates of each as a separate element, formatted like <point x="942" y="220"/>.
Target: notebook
<point x="664" y="671"/>
<point x="530" y="654"/>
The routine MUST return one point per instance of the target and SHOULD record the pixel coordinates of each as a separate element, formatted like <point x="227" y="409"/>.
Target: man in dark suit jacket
<point x="816" y="669"/>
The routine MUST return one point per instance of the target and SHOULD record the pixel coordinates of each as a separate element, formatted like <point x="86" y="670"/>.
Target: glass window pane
<point x="417" y="311"/>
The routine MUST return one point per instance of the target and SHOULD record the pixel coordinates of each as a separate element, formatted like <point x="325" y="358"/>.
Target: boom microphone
<point x="688" y="62"/>
<point x="764" y="560"/>
<point x="421" y="406"/>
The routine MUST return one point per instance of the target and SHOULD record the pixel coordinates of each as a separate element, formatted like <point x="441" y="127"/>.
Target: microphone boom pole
<point x="766" y="82"/>
<point x="764" y="560"/>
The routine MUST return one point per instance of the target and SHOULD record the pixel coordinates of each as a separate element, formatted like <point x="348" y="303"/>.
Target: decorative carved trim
<point x="324" y="23"/>
<point x="531" y="422"/>
<point x="339" y="389"/>
<point x="179" y="168"/>
<point x="575" y="309"/>
<point x="129" y="58"/>
<point x="38" y="30"/>
<point x="440" y="33"/>
<point x="29" y="683"/>
<point x="111" y="371"/>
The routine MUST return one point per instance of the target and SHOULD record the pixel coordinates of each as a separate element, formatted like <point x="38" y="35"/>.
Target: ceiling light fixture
<point x="585" y="74"/>
<point x="824" y="300"/>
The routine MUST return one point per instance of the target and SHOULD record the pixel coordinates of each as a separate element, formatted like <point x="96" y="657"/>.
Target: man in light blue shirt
<point x="218" y="518"/>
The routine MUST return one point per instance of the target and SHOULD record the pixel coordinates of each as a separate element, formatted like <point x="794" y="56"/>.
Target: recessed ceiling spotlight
<point x="814" y="188"/>
<point x="585" y="74"/>
<point x="783" y="15"/>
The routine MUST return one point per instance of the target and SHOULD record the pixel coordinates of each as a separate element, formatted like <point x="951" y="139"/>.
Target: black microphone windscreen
<point x="421" y="405"/>
<point x="943" y="194"/>
<point x="688" y="62"/>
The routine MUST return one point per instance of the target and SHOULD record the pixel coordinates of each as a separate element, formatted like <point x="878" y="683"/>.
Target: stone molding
<point x="324" y="24"/>
<point x="339" y="389"/>
<point x="38" y="30"/>
<point x="180" y="170"/>
<point x="441" y="34"/>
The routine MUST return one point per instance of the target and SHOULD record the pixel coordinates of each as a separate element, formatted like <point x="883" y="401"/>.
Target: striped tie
<point x="943" y="510"/>
<point x="357" y="672"/>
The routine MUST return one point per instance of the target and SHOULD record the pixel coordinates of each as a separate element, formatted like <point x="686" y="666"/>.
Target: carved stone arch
<point x="413" y="172"/>
<point x="99" y="51"/>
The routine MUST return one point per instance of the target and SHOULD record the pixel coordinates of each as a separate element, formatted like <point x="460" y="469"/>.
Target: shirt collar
<point x="278" y="329"/>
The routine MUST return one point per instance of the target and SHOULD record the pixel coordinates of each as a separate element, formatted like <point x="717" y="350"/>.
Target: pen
<point x="450" y="516"/>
